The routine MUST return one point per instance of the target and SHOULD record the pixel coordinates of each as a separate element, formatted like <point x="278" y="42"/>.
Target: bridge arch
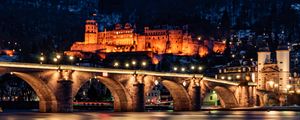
<point x="122" y="99"/>
<point x="227" y="97"/>
<point x="47" y="99"/>
<point x="181" y="99"/>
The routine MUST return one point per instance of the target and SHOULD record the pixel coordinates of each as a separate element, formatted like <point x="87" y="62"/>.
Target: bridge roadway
<point x="113" y="70"/>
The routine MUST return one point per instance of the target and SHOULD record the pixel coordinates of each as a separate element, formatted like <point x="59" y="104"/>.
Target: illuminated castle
<point x="158" y="41"/>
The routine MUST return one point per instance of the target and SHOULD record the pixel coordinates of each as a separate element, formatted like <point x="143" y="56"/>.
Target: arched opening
<point x="23" y="91"/>
<point x="168" y="95"/>
<point x="93" y="95"/>
<point x="220" y="97"/>
<point x="158" y="99"/>
<point x="101" y="93"/>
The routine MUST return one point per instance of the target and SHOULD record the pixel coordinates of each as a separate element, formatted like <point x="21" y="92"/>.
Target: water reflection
<point x="216" y="115"/>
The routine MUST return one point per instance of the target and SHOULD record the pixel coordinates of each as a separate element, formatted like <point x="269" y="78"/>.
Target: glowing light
<point x="192" y="67"/>
<point x="156" y="82"/>
<point x="288" y="87"/>
<point x="58" y="56"/>
<point x="183" y="69"/>
<point x="222" y="77"/>
<point x="104" y="74"/>
<point x="298" y="91"/>
<point x="144" y="63"/>
<point x="116" y="64"/>
<point x="175" y="68"/>
<point x="238" y="77"/>
<point x="71" y="57"/>
<point x="200" y="68"/>
<point x="271" y="83"/>
<point x="55" y="59"/>
<point x="229" y="78"/>
<point x="133" y="62"/>
<point x="42" y="58"/>
<point x="11" y="73"/>
<point x="232" y="56"/>
<point x="184" y="83"/>
<point x="127" y="65"/>
<point x="199" y="38"/>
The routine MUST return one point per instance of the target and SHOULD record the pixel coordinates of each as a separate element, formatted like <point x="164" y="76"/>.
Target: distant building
<point x="158" y="41"/>
<point x="238" y="70"/>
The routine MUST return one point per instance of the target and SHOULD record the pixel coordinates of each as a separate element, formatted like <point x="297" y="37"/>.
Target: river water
<point x="201" y="115"/>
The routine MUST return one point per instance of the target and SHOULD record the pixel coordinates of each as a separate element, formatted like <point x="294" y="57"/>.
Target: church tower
<point x="283" y="63"/>
<point x="91" y="32"/>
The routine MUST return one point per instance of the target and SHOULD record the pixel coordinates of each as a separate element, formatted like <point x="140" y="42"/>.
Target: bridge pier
<point x="196" y="98"/>
<point x="138" y="97"/>
<point x="64" y="96"/>
<point x="47" y="106"/>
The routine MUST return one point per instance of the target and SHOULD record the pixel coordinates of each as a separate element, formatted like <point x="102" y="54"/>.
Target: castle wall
<point x="158" y="41"/>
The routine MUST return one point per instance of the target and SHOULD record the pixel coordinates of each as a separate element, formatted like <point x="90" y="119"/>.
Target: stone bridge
<point x="57" y="85"/>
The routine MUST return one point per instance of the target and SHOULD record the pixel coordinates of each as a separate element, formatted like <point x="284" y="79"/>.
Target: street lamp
<point x="182" y="69"/>
<point x="175" y="68"/>
<point x="55" y="60"/>
<point x="199" y="38"/>
<point x="144" y="63"/>
<point x="192" y="67"/>
<point x="133" y="63"/>
<point x="127" y="65"/>
<point x="116" y="64"/>
<point x="58" y="56"/>
<point x="42" y="59"/>
<point x="200" y="68"/>
<point x="71" y="58"/>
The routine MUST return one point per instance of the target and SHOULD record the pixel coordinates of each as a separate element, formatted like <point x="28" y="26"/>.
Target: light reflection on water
<point x="224" y="115"/>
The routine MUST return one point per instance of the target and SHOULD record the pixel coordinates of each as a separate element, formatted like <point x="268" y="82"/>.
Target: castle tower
<point x="264" y="56"/>
<point x="91" y="32"/>
<point x="283" y="63"/>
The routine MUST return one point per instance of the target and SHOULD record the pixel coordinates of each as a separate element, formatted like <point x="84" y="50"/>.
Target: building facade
<point x="274" y="75"/>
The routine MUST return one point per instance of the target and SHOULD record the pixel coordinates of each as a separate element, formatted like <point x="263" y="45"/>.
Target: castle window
<point x="281" y="62"/>
<point x="280" y="78"/>
<point x="259" y="63"/>
<point x="280" y="69"/>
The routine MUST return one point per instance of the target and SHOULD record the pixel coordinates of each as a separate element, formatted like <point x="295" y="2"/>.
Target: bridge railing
<point x="112" y="70"/>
